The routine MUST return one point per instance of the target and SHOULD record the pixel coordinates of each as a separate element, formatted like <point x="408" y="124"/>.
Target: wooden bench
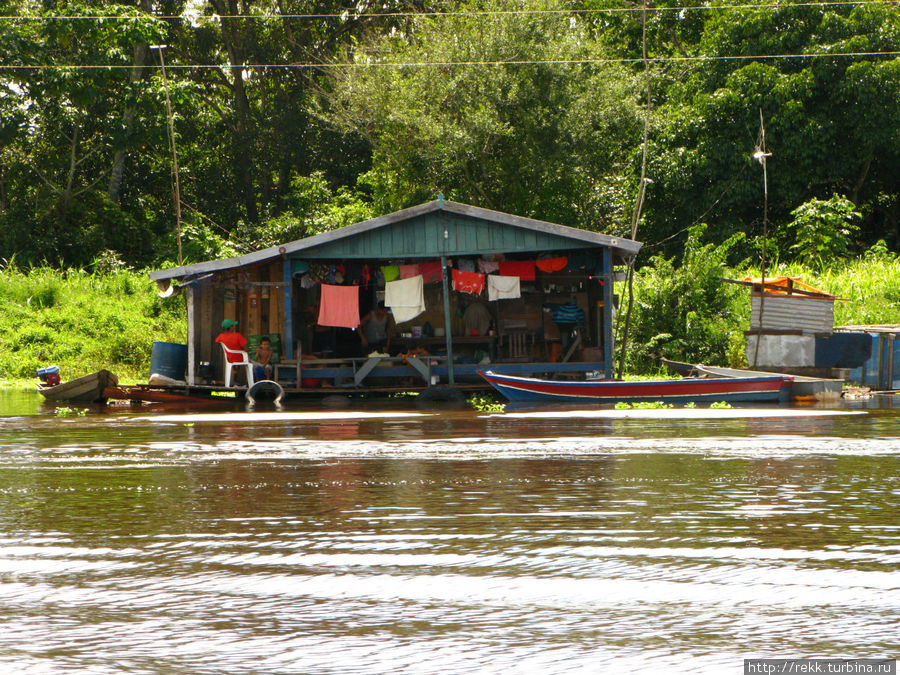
<point x="360" y="368"/>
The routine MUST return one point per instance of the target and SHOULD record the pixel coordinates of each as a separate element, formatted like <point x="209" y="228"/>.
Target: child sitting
<point x="262" y="360"/>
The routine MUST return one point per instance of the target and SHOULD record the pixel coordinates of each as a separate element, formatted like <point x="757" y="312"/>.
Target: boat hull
<point x="820" y="388"/>
<point x="86" y="389"/>
<point x="687" y="390"/>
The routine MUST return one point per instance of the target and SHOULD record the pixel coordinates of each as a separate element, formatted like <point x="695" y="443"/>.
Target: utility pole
<point x="639" y="202"/>
<point x="177" y="193"/>
<point x="760" y="155"/>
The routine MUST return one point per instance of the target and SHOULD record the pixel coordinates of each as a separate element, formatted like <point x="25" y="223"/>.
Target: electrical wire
<point x="445" y="64"/>
<point x="351" y="12"/>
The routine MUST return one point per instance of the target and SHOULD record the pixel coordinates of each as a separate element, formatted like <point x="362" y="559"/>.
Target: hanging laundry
<point x="524" y="269"/>
<point x="407" y="271"/>
<point x="431" y="271"/>
<point x="466" y="264"/>
<point x="390" y="272"/>
<point x="487" y="266"/>
<point x="552" y="264"/>
<point x="307" y="282"/>
<point x="319" y="271"/>
<point x="405" y="297"/>
<point x="503" y="288"/>
<point x="339" y="306"/>
<point x="468" y="282"/>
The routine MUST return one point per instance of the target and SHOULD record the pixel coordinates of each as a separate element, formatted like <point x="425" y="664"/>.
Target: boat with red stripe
<point x="769" y="388"/>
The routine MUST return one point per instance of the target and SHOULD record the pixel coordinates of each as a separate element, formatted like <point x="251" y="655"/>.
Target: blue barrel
<point x="169" y="359"/>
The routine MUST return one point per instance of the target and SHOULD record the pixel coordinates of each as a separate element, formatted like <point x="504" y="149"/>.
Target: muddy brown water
<point x="389" y="539"/>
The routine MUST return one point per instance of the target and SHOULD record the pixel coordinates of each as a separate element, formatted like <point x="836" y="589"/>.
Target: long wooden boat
<point x="820" y="388"/>
<point x="86" y="389"/>
<point x="685" y="390"/>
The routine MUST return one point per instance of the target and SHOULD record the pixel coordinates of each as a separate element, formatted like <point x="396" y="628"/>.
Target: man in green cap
<point x="232" y="339"/>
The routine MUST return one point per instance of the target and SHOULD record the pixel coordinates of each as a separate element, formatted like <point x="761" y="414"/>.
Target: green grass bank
<point x="83" y="321"/>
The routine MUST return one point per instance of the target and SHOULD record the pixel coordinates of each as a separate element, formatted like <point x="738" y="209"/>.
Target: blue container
<point x="169" y="359"/>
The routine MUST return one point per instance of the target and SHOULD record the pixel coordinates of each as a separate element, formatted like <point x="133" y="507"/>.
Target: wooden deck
<point x="380" y="375"/>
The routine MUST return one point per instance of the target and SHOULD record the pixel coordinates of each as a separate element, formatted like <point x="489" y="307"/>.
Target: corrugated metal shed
<point x="429" y="230"/>
<point x="792" y="312"/>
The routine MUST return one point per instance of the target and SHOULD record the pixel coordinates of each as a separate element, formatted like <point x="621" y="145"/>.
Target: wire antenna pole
<point x="639" y="202"/>
<point x="176" y="197"/>
<point x="760" y="155"/>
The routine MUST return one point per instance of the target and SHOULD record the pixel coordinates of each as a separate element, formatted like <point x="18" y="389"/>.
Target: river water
<point x="396" y="540"/>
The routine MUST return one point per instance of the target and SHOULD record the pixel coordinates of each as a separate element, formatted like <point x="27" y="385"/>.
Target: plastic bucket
<point x="169" y="359"/>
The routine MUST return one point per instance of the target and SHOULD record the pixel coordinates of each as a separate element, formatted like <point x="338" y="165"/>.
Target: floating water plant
<point x="63" y="411"/>
<point x="643" y="405"/>
<point x="483" y="403"/>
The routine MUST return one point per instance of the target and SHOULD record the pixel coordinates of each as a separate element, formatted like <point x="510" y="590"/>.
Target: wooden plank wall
<point x="276" y="299"/>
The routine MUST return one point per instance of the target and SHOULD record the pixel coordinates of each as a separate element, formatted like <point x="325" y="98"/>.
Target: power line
<point x="348" y="13"/>
<point x="444" y="64"/>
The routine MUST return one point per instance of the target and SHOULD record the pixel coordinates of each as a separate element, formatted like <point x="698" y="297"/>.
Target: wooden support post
<point x="191" y="336"/>
<point x="608" y="335"/>
<point x="447" y="330"/>
<point x="288" y="345"/>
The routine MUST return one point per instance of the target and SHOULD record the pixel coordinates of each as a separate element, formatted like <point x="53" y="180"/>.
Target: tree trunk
<point x="141" y="53"/>
<point x="242" y="141"/>
<point x="66" y="197"/>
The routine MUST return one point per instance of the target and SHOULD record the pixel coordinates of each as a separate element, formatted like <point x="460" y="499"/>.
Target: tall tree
<point x="832" y="118"/>
<point x="506" y="107"/>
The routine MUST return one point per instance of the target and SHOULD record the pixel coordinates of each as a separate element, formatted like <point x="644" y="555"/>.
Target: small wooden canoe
<point x="85" y="389"/>
<point x="685" y="390"/>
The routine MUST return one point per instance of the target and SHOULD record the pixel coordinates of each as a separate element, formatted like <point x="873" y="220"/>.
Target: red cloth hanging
<point x="339" y="306"/>
<point x="524" y="269"/>
<point x="552" y="264"/>
<point x="468" y="282"/>
<point x="430" y="271"/>
<point x="409" y="271"/>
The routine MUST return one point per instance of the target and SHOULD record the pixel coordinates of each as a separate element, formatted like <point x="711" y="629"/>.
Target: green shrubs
<point x="82" y="321"/>
<point x="686" y="312"/>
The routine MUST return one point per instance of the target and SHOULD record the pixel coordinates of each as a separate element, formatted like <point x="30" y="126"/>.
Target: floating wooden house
<point x="512" y="274"/>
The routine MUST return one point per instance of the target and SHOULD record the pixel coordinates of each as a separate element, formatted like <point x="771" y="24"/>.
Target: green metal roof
<point x="426" y="231"/>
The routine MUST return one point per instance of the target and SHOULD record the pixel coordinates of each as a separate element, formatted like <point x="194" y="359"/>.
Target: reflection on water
<point x="398" y="541"/>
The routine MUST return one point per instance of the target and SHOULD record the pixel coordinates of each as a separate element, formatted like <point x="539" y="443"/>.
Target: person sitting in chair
<point x="232" y="339"/>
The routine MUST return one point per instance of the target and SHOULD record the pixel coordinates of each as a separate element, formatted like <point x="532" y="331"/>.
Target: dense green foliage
<point x="687" y="313"/>
<point x="295" y="117"/>
<point x="82" y="321"/>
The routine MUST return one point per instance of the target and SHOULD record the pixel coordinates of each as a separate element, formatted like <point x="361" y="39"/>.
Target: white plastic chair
<point x="231" y="365"/>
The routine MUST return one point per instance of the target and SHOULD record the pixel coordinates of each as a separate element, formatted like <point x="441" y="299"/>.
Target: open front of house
<point x="464" y="286"/>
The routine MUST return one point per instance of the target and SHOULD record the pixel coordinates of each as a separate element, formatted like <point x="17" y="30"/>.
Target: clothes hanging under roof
<point x="503" y="288"/>
<point x="405" y="297"/>
<point x="431" y="271"/>
<point x="407" y="271"/>
<point x="524" y="269"/>
<point x="552" y="264"/>
<point x="468" y="282"/>
<point x="339" y="306"/>
<point x="390" y="272"/>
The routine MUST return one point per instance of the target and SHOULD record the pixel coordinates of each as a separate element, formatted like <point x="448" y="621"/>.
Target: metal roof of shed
<point x="428" y="230"/>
